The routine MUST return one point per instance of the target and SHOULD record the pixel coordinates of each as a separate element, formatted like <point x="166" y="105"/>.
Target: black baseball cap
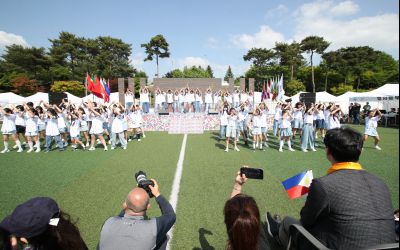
<point x="31" y="218"/>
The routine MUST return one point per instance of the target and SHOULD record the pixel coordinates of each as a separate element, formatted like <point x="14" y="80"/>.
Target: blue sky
<point x="204" y="32"/>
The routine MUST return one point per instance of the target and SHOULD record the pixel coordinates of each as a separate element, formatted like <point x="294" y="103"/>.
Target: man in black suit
<point x="348" y="208"/>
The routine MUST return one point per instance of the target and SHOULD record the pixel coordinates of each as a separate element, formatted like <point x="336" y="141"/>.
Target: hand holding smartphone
<point x="252" y="173"/>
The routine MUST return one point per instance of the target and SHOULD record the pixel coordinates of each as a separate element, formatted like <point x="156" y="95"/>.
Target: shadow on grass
<point x="204" y="245"/>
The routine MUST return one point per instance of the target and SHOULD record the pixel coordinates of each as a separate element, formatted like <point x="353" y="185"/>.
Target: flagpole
<point x="86" y="84"/>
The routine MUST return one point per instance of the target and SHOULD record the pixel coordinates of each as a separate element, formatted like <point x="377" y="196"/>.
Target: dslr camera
<point x="144" y="183"/>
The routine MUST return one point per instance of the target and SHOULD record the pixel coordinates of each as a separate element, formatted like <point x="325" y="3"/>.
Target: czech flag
<point x="298" y="185"/>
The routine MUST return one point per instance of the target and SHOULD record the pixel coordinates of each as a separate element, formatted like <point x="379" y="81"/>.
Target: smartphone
<point x="253" y="173"/>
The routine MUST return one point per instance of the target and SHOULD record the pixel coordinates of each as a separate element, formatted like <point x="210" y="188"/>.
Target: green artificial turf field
<point x="91" y="186"/>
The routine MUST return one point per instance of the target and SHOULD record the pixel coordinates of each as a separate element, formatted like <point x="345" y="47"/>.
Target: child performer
<point x="231" y="129"/>
<point x="307" y="138"/>
<point x="256" y="122"/>
<point x="9" y="129"/>
<point x="334" y="117"/>
<point x="31" y="132"/>
<point x="117" y="128"/>
<point x="242" y="124"/>
<point x="298" y="118"/>
<point x="75" y="129"/>
<point x="264" y="128"/>
<point x="223" y="122"/>
<point x="97" y="128"/>
<point x="277" y="118"/>
<point x="371" y="123"/>
<point x="286" y="130"/>
<point x="84" y="124"/>
<point x="19" y="112"/>
<point x="52" y="131"/>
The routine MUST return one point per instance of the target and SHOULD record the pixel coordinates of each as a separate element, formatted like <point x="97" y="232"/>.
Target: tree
<point x="22" y="85"/>
<point x="158" y="48"/>
<point x="289" y="55"/>
<point x="259" y="57"/>
<point x="228" y="74"/>
<point x="73" y="87"/>
<point x="341" y="89"/>
<point x="294" y="86"/>
<point x="311" y="45"/>
<point x="210" y="71"/>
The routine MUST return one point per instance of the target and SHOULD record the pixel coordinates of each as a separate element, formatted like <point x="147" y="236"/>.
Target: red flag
<point x="102" y="91"/>
<point x="95" y="88"/>
<point x="269" y="89"/>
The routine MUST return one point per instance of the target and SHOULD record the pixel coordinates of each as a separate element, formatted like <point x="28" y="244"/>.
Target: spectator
<point x="132" y="231"/>
<point x="40" y="224"/>
<point x="356" y="113"/>
<point x="350" y="113"/>
<point x="242" y="220"/>
<point x="341" y="208"/>
<point x="366" y="108"/>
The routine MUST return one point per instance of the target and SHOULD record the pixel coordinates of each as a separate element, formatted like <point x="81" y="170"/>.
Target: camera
<point x="144" y="183"/>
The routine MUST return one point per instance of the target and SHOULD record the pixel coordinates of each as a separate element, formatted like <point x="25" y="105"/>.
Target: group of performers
<point x="309" y="122"/>
<point x="83" y="126"/>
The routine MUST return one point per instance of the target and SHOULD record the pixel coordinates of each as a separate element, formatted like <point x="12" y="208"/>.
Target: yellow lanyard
<point x="344" y="165"/>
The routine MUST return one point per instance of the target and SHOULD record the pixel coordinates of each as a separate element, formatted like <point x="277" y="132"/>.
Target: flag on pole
<point x="269" y="89"/>
<point x="92" y="87"/>
<point x="298" y="185"/>
<point x="264" y="93"/>
<point x="106" y="88"/>
<point x="281" y="91"/>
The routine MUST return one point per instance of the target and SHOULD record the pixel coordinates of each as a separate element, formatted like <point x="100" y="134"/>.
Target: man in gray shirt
<point x="132" y="231"/>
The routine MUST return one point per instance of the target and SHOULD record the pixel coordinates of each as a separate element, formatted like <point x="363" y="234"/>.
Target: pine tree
<point x="210" y="71"/>
<point x="228" y="74"/>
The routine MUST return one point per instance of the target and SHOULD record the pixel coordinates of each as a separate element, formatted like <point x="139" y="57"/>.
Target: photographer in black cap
<point x="132" y="230"/>
<point x="40" y="224"/>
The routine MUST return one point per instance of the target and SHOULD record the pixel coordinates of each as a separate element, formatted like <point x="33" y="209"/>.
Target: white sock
<point x="18" y="143"/>
<point x="5" y="144"/>
<point x="38" y="144"/>
<point x="254" y="145"/>
<point x="281" y="144"/>
<point x="30" y="145"/>
<point x="289" y="143"/>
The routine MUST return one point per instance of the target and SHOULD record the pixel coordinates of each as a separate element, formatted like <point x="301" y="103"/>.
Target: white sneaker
<point x="304" y="150"/>
<point x="15" y="146"/>
<point x="291" y="149"/>
<point x="377" y="147"/>
<point x="87" y="144"/>
<point x="30" y="150"/>
<point x="138" y="140"/>
<point x="112" y="148"/>
<point x="105" y="149"/>
<point x="237" y="149"/>
<point x="83" y="147"/>
<point x="92" y="149"/>
<point x="144" y="136"/>
<point x="227" y="150"/>
<point x="73" y="146"/>
<point x="124" y="148"/>
<point x="20" y="150"/>
<point x="313" y="149"/>
<point x="37" y="150"/>
<point x="280" y="150"/>
<point x="6" y="150"/>
<point x="129" y="139"/>
<point x="65" y="144"/>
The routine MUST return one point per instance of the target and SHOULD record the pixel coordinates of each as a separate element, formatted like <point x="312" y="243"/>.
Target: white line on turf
<point x="173" y="199"/>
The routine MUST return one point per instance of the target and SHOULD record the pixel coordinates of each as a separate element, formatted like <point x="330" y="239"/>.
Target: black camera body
<point x="144" y="183"/>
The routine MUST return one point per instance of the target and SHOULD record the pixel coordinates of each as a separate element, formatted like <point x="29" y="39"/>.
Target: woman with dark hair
<point x="40" y="224"/>
<point x="242" y="220"/>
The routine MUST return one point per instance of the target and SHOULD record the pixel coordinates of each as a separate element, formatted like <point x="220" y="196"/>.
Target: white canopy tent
<point x="74" y="99"/>
<point x="11" y="98"/>
<point x="323" y="97"/>
<point x="36" y="98"/>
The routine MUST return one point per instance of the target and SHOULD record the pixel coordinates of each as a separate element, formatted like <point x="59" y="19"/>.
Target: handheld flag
<point x="298" y="185"/>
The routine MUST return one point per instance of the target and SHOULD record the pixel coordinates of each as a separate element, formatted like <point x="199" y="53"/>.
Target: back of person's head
<point x="137" y="201"/>
<point x="242" y="220"/>
<point x="344" y="144"/>
<point x="41" y="222"/>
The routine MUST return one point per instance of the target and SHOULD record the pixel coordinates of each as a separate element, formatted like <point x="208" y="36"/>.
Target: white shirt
<point x="257" y="121"/>
<point x="136" y="119"/>
<point x="243" y="97"/>
<point x="308" y="118"/>
<point x="278" y="113"/>
<point x="144" y="97"/>
<point x="52" y="127"/>
<point x="320" y="115"/>
<point x="19" y="119"/>
<point x="181" y="98"/>
<point x="298" y="115"/>
<point x="285" y="123"/>
<point x="8" y="124"/>
<point x="170" y="98"/>
<point x="208" y="98"/>
<point x="236" y="97"/>
<point x="334" y="122"/>
<point x="232" y="120"/>
<point x="97" y="125"/>
<point x="264" y="118"/>
<point x="117" y="125"/>
<point x="74" y="129"/>
<point x="83" y="120"/>
<point x="372" y="122"/>
<point x="31" y="124"/>
<point x="61" y="121"/>
<point x="128" y="98"/>
<point x="224" y="118"/>
<point x="242" y="115"/>
<point x="228" y="99"/>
